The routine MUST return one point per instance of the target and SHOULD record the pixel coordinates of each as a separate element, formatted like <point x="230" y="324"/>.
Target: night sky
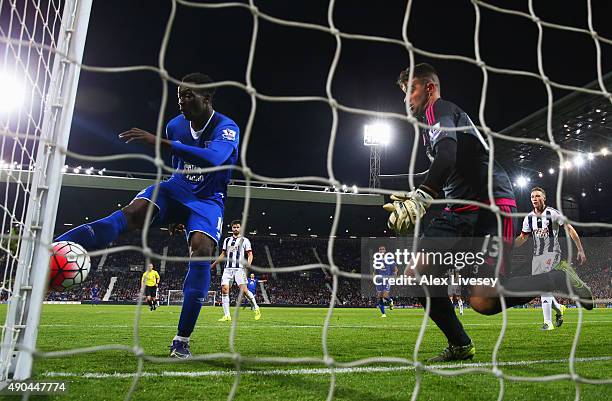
<point x="291" y="139"/>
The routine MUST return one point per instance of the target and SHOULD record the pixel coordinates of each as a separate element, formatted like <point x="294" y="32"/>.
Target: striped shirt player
<point x="235" y="250"/>
<point x="544" y="229"/>
<point x="543" y="224"/>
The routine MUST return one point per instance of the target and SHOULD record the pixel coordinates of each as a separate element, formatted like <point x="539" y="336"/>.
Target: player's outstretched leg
<point x="578" y="286"/>
<point x="100" y="233"/>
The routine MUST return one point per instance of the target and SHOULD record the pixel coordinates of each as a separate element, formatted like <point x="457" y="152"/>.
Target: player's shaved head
<point x="236" y="222"/>
<point x="423" y="71"/>
<point x="199" y="78"/>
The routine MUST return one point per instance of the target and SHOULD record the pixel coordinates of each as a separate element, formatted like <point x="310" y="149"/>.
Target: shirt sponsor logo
<point x="194" y="178"/>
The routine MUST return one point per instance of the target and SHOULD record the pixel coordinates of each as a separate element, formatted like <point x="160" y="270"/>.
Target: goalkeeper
<point x="459" y="170"/>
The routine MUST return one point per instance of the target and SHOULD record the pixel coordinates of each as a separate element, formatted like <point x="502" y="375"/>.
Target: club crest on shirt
<point x="229" y="134"/>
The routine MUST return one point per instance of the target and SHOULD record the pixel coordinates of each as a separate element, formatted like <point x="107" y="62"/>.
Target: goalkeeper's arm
<point x="407" y="209"/>
<point x="441" y="167"/>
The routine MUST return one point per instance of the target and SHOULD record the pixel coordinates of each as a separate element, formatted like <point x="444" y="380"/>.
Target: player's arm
<point x="406" y="209"/>
<point x="581" y="257"/>
<point x="219" y="258"/>
<point x="157" y="279"/>
<point x="395" y="270"/>
<point x="441" y="166"/>
<point x="524" y="235"/>
<point x="215" y="155"/>
<point x="249" y="251"/>
<point x="520" y="240"/>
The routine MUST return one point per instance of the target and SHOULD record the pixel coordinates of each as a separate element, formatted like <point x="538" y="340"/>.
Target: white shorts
<point x="230" y="274"/>
<point x="454" y="289"/>
<point x="545" y="262"/>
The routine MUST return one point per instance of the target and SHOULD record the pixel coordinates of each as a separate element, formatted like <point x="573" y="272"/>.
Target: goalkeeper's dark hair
<point x="239" y="222"/>
<point x="199" y="78"/>
<point x="423" y="71"/>
<point x="538" y="189"/>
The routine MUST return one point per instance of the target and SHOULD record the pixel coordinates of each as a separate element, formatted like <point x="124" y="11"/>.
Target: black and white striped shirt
<point x="236" y="249"/>
<point x="544" y="228"/>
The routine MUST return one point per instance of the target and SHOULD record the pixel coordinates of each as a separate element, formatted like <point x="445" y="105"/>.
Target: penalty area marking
<point x="315" y="371"/>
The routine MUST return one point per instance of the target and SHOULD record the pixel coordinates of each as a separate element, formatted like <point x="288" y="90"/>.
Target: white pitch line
<point x="310" y="326"/>
<point x="315" y="371"/>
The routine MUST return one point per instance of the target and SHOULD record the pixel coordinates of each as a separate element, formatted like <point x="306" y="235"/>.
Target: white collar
<point x="197" y="134"/>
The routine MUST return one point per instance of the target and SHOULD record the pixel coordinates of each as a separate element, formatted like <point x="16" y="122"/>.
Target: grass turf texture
<point x="297" y="332"/>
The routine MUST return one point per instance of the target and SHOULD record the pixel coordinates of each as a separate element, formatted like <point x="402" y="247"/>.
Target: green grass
<point x="297" y="332"/>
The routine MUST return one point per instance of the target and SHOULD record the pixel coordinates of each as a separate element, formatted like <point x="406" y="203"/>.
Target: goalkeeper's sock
<point x="442" y="312"/>
<point x="553" y="281"/>
<point x="195" y="291"/>
<point x="555" y="305"/>
<point x="99" y="234"/>
<point x="381" y="305"/>
<point x="251" y="299"/>
<point x="225" y="303"/>
<point x="547" y="308"/>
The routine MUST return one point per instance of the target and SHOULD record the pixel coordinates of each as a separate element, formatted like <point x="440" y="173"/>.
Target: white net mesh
<point x="26" y="74"/>
<point x="15" y="135"/>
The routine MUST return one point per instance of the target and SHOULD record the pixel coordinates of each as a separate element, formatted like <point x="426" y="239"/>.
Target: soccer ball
<point x="69" y="265"/>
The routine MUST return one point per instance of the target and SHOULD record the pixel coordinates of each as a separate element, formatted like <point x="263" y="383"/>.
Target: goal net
<point x="175" y="297"/>
<point x="41" y="45"/>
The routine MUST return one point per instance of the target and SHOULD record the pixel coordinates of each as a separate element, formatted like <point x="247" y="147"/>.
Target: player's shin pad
<point x="406" y="209"/>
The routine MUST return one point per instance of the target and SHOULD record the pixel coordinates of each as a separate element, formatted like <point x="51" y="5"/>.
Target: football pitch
<point x="298" y="332"/>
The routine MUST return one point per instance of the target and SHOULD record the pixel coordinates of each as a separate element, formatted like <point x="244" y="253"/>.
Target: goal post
<point x="175" y="297"/>
<point x="30" y="282"/>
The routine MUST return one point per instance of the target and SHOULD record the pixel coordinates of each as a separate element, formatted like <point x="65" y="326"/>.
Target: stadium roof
<point x="580" y="122"/>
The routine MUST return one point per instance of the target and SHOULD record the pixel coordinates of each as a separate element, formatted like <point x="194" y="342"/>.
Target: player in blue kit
<point x="252" y="287"/>
<point x="199" y="137"/>
<point x="95" y="295"/>
<point x="382" y="290"/>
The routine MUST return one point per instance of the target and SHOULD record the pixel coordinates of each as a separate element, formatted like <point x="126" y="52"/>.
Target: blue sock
<point x="99" y="234"/>
<point x="195" y="291"/>
<point x="381" y="305"/>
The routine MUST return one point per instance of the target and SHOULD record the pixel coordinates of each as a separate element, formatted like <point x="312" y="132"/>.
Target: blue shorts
<point x="383" y="287"/>
<point x="177" y="204"/>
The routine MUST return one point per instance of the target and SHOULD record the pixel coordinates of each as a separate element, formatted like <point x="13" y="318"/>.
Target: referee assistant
<point x="150" y="281"/>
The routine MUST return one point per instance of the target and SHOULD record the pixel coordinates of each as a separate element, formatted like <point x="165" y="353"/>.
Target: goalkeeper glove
<point x="406" y="209"/>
